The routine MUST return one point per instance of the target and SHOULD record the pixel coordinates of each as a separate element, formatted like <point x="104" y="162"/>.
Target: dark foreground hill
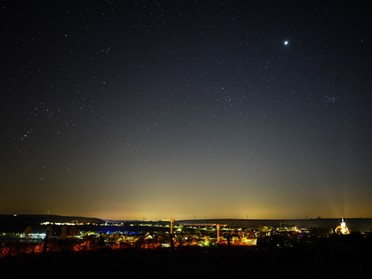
<point x="296" y="262"/>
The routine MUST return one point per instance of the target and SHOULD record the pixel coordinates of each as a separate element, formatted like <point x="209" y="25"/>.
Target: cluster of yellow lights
<point x="342" y="228"/>
<point x="72" y="223"/>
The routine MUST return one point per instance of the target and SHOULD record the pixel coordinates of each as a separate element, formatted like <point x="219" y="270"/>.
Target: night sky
<point x="190" y="109"/>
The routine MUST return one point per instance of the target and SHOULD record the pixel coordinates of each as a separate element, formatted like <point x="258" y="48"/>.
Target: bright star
<point x="286" y="42"/>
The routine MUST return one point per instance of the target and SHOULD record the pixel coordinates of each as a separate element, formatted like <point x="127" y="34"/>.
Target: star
<point x="286" y="42"/>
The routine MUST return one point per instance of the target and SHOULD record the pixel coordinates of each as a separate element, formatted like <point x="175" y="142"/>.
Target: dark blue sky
<point x="190" y="109"/>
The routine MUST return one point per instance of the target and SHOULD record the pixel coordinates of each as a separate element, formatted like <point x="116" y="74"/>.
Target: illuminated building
<point x="342" y="228"/>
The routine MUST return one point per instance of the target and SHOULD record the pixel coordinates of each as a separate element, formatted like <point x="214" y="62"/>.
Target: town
<point x="79" y="236"/>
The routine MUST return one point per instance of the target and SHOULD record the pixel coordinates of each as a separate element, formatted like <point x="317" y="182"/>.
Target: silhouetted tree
<point x="48" y="233"/>
<point x="171" y="239"/>
<point x="228" y="237"/>
<point x="27" y="231"/>
<point x="73" y="231"/>
<point x="63" y="232"/>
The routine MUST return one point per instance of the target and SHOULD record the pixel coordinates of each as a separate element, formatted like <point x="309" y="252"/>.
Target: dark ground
<point x="296" y="262"/>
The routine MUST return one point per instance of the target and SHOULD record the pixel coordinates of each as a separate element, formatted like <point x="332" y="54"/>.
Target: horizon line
<point x="182" y="219"/>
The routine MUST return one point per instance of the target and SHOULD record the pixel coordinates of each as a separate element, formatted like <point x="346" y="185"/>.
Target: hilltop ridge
<point x="18" y="222"/>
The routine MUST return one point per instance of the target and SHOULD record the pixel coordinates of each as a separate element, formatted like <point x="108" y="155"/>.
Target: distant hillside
<point x="19" y="222"/>
<point x="355" y="224"/>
